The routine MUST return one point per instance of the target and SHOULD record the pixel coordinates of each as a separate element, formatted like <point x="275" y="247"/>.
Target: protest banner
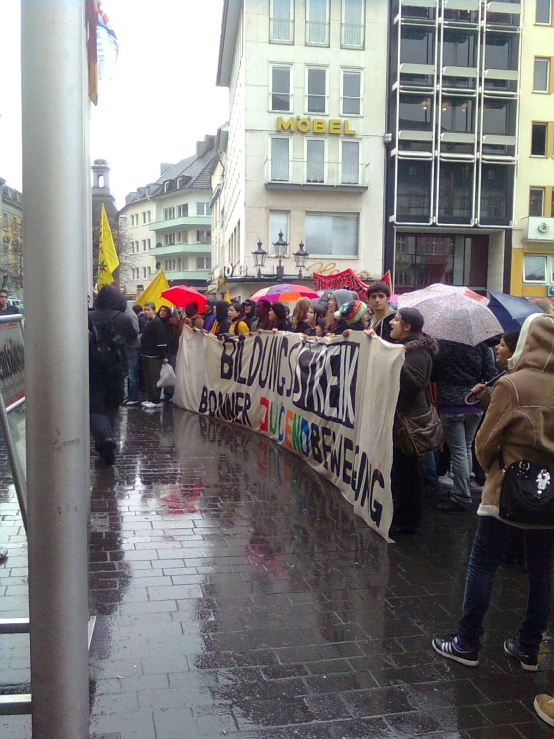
<point x="331" y="402"/>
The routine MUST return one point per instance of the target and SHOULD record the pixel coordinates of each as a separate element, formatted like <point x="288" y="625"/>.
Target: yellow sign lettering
<point x="303" y="124"/>
<point x="334" y="126"/>
<point x="283" y="125"/>
<point x="347" y="130"/>
<point x="319" y="125"/>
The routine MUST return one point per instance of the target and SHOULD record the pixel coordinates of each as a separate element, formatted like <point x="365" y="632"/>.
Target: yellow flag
<point x="153" y="292"/>
<point x="108" y="261"/>
<point x="227" y="296"/>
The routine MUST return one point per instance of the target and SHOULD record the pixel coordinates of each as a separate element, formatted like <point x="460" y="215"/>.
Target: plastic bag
<point x="167" y="376"/>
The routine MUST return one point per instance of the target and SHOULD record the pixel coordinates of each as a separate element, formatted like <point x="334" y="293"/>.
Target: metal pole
<point x="56" y="346"/>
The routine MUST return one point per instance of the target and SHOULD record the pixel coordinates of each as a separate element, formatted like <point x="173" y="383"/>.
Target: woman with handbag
<point x="515" y="446"/>
<point x="414" y="418"/>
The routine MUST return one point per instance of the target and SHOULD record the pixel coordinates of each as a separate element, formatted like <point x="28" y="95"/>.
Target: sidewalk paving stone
<point x="237" y="595"/>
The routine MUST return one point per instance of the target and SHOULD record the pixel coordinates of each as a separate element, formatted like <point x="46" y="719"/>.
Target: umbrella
<point x="407" y="300"/>
<point x="181" y="296"/>
<point x="510" y="310"/>
<point x="284" y="293"/>
<point x="453" y="316"/>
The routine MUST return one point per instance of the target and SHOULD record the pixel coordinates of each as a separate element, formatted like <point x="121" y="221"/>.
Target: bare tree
<point x="122" y="242"/>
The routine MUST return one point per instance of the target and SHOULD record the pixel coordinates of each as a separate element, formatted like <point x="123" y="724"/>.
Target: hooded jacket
<point x="222" y="323"/>
<point x="458" y="367"/>
<point x="110" y="305"/>
<point x="520" y="417"/>
<point x="383" y="327"/>
<point x="415" y="374"/>
<point x="250" y="317"/>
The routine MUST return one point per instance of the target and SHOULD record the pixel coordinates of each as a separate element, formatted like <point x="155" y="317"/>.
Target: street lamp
<point x="281" y="252"/>
<point x="300" y="259"/>
<point x="259" y="258"/>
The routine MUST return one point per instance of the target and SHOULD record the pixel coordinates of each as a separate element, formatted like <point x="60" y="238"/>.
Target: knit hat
<point x="351" y="312"/>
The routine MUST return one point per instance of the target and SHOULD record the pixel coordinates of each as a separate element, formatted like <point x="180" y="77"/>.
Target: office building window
<point x="413" y="199"/>
<point x="543" y="11"/>
<point x="280" y="159"/>
<point x="536" y="201"/>
<point x="501" y="51"/>
<point x="281" y="20"/>
<point x="538" y="139"/>
<point x="333" y="235"/>
<point x="496" y="194"/>
<point x="499" y="117"/>
<point x="415" y="112"/>
<point x="459" y="48"/>
<point x="350" y="166"/>
<point x="281" y="87"/>
<point x="457" y="115"/>
<point x="540" y="77"/>
<point x="352" y="31"/>
<point x="417" y="45"/>
<point x="315" y="160"/>
<point x="455" y="192"/>
<point x="534" y="268"/>
<point x="316" y="84"/>
<point x="203" y="209"/>
<point x="182" y="210"/>
<point x="278" y="223"/>
<point x="351" y="93"/>
<point x="317" y="22"/>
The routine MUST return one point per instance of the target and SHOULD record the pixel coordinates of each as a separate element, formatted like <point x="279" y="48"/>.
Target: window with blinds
<point x="317" y="22"/>
<point x="352" y="31"/>
<point x="334" y="235"/>
<point x="278" y="222"/>
<point x="279" y="160"/>
<point x="281" y="21"/>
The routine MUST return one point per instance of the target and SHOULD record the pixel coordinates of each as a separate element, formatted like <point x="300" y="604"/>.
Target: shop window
<point x="534" y="269"/>
<point x="333" y="235"/>
<point x="538" y="139"/>
<point x="415" y="112"/>
<point x="417" y="45"/>
<point x="536" y="201"/>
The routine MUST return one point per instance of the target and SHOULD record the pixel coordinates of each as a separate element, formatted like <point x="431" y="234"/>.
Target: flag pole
<point x="55" y="177"/>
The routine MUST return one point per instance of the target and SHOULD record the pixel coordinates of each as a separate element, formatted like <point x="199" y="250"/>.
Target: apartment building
<point x="533" y="242"/>
<point x="303" y="153"/>
<point x="11" y="229"/>
<point x="139" y="264"/>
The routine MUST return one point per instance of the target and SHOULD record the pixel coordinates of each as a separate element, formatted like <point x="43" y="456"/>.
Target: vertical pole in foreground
<point x="56" y="345"/>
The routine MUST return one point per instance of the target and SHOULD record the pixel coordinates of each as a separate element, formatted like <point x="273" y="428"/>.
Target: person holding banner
<point x="420" y="352"/>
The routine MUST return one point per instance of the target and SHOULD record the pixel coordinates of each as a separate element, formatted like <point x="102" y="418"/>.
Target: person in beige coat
<point x="520" y="422"/>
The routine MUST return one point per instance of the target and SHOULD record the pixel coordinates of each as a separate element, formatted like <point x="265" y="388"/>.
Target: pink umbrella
<point x="284" y="293"/>
<point x="181" y="296"/>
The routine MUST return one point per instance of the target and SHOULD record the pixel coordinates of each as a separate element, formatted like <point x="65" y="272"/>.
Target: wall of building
<point x="140" y="264"/>
<point x="534" y="171"/>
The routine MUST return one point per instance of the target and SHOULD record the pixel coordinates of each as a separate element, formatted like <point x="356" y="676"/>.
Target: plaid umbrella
<point x="451" y="314"/>
<point x="284" y="293"/>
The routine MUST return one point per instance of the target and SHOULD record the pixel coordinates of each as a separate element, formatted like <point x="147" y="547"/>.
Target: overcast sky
<point x="161" y="100"/>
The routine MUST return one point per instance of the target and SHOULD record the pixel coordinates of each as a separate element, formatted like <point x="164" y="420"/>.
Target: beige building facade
<point x="533" y="239"/>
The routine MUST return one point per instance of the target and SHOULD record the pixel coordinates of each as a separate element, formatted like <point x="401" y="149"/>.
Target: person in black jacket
<point x="278" y="317"/>
<point x="248" y="312"/>
<point x="106" y="383"/>
<point x="172" y="335"/>
<point x="378" y="294"/>
<point x="458" y="368"/>
<point x="153" y="350"/>
<point x="421" y="350"/>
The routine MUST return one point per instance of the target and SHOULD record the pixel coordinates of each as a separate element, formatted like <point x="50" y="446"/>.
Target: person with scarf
<point x="238" y="325"/>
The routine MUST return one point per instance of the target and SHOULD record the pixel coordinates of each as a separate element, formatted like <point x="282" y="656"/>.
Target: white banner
<point x="330" y="401"/>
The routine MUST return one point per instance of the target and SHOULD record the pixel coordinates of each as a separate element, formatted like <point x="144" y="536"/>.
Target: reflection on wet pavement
<point x="237" y="594"/>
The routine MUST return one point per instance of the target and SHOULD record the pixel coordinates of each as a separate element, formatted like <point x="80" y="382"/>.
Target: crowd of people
<point x="494" y="403"/>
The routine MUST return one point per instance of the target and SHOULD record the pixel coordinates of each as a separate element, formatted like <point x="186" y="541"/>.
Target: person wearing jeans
<point x="457" y="369"/>
<point x="153" y="349"/>
<point x="519" y="422"/>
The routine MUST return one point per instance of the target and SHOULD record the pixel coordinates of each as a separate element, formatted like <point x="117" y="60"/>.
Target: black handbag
<point x="527" y="492"/>
<point x="419" y="435"/>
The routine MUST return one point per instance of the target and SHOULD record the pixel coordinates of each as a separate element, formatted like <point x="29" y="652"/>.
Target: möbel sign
<point x="315" y="125"/>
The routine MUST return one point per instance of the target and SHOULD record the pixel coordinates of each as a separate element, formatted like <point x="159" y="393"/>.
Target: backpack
<point x="107" y="350"/>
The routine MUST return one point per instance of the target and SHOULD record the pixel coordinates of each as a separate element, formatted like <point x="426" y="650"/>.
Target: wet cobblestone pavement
<point x="237" y="594"/>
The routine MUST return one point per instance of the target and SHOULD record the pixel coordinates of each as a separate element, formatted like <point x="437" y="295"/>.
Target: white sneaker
<point x="148" y="404"/>
<point x="544" y="706"/>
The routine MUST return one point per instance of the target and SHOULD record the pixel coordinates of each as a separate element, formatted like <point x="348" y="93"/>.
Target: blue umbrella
<point x="510" y="310"/>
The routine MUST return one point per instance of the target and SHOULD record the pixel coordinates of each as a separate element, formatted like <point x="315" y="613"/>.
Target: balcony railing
<point x="352" y="35"/>
<point x="315" y="174"/>
<point x="281" y="29"/>
<point x="317" y="33"/>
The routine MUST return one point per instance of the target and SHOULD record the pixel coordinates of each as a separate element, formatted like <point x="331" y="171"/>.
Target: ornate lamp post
<point x="300" y="259"/>
<point x="281" y="252"/>
<point x="259" y="258"/>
